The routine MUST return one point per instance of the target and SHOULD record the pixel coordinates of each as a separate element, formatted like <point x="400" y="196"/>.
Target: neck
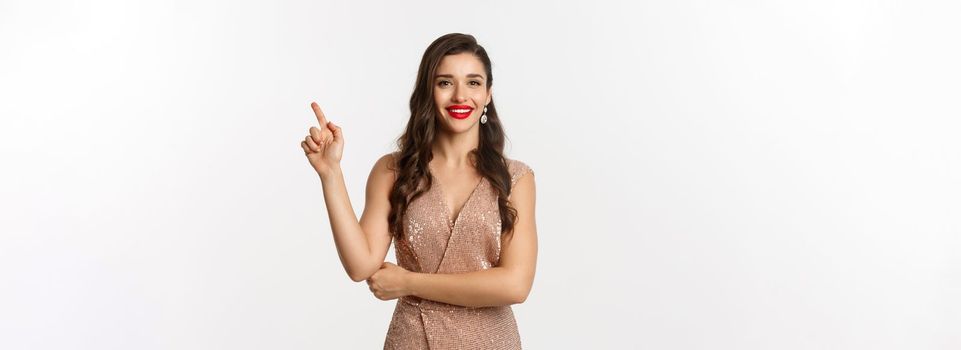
<point x="452" y="150"/>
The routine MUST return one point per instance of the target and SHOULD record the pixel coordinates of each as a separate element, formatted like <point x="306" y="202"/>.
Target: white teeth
<point x="460" y="110"/>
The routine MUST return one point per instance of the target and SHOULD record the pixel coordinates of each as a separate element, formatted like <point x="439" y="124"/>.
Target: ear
<point x="489" y="97"/>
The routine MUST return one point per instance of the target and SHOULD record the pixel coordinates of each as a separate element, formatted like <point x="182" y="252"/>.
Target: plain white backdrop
<point x="710" y="175"/>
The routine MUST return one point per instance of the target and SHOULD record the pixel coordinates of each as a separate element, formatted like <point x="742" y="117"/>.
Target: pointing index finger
<point x="319" y="113"/>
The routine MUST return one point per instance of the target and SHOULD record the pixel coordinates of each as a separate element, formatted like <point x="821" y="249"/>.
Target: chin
<point x="458" y="126"/>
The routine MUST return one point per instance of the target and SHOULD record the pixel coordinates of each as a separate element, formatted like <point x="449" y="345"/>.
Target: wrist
<point x="411" y="280"/>
<point x="330" y="173"/>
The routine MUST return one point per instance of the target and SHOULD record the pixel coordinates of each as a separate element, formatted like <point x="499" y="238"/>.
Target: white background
<point x="710" y="175"/>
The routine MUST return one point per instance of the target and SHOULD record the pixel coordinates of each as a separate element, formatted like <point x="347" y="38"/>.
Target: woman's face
<point x="460" y="91"/>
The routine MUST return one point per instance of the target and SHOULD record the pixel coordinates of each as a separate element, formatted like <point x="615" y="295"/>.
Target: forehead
<point x="460" y="65"/>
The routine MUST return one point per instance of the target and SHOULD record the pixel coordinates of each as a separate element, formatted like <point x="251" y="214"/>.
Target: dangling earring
<point x="484" y="116"/>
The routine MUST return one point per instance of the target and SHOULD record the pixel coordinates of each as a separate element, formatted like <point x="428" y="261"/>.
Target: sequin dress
<point x="432" y="243"/>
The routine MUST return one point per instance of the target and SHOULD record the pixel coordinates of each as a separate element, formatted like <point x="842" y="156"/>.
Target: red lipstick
<point x="459" y="111"/>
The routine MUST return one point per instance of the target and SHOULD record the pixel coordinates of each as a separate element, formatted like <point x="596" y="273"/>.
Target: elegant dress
<point x="432" y="243"/>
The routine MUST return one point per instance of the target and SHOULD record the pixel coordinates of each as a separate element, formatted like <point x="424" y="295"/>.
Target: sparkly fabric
<point x="432" y="243"/>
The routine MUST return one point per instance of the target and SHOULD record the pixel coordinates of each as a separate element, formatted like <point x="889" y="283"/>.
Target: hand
<point x="390" y="282"/>
<point x="324" y="147"/>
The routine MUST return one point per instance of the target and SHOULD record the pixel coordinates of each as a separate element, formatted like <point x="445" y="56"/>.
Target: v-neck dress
<point x="432" y="243"/>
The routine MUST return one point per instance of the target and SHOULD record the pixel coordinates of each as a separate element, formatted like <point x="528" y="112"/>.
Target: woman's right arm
<point x="361" y="245"/>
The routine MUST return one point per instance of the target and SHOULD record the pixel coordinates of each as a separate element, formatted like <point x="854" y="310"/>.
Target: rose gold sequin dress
<point x="433" y="244"/>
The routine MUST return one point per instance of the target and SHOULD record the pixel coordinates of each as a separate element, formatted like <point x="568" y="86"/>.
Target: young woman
<point x="460" y="214"/>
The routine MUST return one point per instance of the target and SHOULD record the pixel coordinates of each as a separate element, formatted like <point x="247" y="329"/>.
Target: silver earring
<point x="484" y="116"/>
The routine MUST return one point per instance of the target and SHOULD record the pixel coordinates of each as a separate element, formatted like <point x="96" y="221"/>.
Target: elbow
<point x="518" y="295"/>
<point x="519" y="286"/>
<point x="358" y="276"/>
<point x="360" y="272"/>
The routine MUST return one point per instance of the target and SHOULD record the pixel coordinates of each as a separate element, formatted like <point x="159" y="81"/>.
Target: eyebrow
<point x="472" y="75"/>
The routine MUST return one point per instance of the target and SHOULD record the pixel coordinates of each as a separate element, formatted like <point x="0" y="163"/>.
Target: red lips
<point x="460" y="115"/>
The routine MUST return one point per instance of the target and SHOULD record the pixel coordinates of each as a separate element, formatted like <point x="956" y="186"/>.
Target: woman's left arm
<point x="508" y="283"/>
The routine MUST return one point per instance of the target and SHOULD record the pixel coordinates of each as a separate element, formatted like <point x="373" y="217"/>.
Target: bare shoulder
<point x="382" y="174"/>
<point x="385" y="165"/>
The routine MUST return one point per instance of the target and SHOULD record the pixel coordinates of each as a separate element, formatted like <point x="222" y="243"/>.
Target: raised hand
<point x="324" y="146"/>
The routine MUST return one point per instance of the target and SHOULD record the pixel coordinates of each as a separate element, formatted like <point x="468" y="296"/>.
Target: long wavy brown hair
<point x="414" y="146"/>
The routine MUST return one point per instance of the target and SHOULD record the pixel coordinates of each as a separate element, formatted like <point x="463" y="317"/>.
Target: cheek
<point x="440" y="94"/>
<point x="480" y="97"/>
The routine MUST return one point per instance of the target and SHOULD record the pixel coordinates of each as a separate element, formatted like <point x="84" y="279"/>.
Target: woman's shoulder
<point x="386" y="164"/>
<point x="517" y="169"/>
<point x="516" y="164"/>
<point x="391" y="156"/>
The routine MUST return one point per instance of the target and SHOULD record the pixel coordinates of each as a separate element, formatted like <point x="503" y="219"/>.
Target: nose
<point x="459" y="95"/>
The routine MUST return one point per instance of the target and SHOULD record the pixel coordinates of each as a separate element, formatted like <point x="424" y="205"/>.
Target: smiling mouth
<point x="459" y="112"/>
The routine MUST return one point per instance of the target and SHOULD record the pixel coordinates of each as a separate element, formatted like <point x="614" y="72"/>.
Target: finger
<point x="303" y="144"/>
<point x="335" y="129"/>
<point x="326" y="136"/>
<point x="313" y="145"/>
<point x="316" y="134"/>
<point x="319" y="113"/>
<point x="327" y="132"/>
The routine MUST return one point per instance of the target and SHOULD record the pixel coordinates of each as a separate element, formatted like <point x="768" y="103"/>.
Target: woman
<point x="460" y="214"/>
